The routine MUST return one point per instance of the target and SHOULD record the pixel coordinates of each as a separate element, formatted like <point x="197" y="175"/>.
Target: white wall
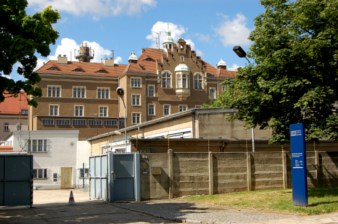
<point x="61" y="152"/>
<point x="82" y="157"/>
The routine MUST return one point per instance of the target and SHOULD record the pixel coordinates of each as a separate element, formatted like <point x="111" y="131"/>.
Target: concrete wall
<point x="175" y="174"/>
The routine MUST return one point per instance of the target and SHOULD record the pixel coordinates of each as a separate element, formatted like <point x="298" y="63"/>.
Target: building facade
<point x="13" y="114"/>
<point x="82" y="95"/>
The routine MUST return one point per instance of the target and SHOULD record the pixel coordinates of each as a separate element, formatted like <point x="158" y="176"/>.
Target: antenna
<point x="157" y="39"/>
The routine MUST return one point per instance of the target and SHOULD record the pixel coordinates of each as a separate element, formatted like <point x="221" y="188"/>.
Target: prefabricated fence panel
<point x="191" y="174"/>
<point x="266" y="170"/>
<point x="328" y="169"/>
<point x="230" y="172"/>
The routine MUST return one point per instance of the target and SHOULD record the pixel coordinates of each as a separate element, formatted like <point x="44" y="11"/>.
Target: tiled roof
<point x="13" y="105"/>
<point x="146" y="63"/>
<point x="6" y="148"/>
<point x="82" y="68"/>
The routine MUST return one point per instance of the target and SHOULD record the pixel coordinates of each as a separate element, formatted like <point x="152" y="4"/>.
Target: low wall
<point x="168" y="175"/>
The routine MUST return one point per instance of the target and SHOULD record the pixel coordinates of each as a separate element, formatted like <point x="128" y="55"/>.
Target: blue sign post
<point x="298" y="165"/>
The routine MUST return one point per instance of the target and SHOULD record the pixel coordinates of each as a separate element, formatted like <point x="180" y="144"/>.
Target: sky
<point x="211" y="27"/>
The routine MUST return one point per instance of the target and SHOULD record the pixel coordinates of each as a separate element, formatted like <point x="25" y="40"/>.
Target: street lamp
<point x="242" y="54"/>
<point x="120" y="93"/>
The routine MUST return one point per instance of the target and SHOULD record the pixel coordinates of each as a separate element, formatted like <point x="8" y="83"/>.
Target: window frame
<point x="42" y="171"/>
<point x="79" y="92"/>
<point x="136" y="82"/>
<point x="153" y="91"/>
<point x="153" y="109"/>
<point x="104" y="113"/>
<point x="182" y="81"/>
<point x="76" y="111"/>
<point x="51" y="111"/>
<point x="37" y="145"/>
<point x="198" y="81"/>
<point x="136" y="100"/>
<point x="212" y="96"/>
<point x="166" y="82"/>
<point x="54" y="91"/>
<point x="181" y="106"/>
<point x="103" y="93"/>
<point x="166" y="109"/>
<point x="6" y="127"/>
<point x="137" y="116"/>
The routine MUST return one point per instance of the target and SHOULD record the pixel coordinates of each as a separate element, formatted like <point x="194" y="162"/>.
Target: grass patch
<point x="320" y="200"/>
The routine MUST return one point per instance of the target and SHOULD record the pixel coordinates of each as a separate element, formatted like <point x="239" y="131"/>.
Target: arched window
<point x="166" y="80"/>
<point x="198" y="80"/>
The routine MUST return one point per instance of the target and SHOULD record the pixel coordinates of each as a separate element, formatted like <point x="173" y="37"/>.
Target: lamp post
<point x="242" y="54"/>
<point x="120" y="93"/>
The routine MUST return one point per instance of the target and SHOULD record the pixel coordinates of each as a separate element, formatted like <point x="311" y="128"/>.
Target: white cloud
<point x="234" y="67"/>
<point x="234" y="31"/>
<point x="160" y="29"/>
<point x="70" y="48"/>
<point x="159" y="32"/>
<point x="97" y="8"/>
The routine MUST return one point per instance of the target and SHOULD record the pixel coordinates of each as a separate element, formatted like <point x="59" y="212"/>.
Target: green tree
<point x="22" y="36"/>
<point x="293" y="77"/>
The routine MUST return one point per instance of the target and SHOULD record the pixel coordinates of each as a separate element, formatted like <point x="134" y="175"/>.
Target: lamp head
<point x="239" y="51"/>
<point x="120" y="91"/>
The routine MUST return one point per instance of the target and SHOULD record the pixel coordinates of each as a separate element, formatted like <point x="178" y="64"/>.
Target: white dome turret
<point x="132" y="57"/>
<point x="182" y="68"/>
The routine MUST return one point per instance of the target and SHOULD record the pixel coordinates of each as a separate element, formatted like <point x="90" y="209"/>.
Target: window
<point x="79" y="122"/>
<point x="79" y="92"/>
<point x="24" y="112"/>
<point x="136" y="100"/>
<point x="212" y="93"/>
<point x="53" y="110"/>
<point x="151" y="91"/>
<point x="110" y="122"/>
<point x="103" y="93"/>
<point x="182" y="58"/>
<point x="95" y="122"/>
<point x="166" y="109"/>
<point x="40" y="173"/>
<point x="6" y="127"/>
<point x="182" y="108"/>
<point x="47" y="122"/>
<point x="78" y="111"/>
<point x="54" y="91"/>
<point x="151" y="109"/>
<point x="84" y="173"/>
<point x="63" y="122"/>
<point x="135" y="82"/>
<point x="182" y="81"/>
<point x="136" y="118"/>
<point x="166" y="80"/>
<point x="103" y="111"/>
<point x="37" y="145"/>
<point x="198" y="80"/>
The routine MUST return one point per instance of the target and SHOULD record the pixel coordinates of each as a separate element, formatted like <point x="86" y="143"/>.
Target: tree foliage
<point x="22" y="36"/>
<point x="294" y="75"/>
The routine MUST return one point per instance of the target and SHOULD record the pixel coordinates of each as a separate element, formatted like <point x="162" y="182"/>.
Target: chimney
<point x="62" y="59"/>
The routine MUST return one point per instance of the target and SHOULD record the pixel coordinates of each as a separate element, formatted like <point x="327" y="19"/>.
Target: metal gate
<point x="98" y="178"/>
<point x="16" y="179"/>
<point x="124" y="178"/>
<point x="115" y="177"/>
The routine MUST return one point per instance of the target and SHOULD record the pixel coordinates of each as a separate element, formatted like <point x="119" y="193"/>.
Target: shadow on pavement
<point x="98" y="212"/>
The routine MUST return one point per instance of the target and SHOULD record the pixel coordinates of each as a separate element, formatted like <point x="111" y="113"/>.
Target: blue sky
<point x="212" y="27"/>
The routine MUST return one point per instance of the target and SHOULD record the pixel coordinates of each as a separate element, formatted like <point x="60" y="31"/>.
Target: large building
<point x="82" y="95"/>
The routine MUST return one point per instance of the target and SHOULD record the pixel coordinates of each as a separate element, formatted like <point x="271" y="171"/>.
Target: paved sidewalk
<point x="51" y="206"/>
<point x="197" y="213"/>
